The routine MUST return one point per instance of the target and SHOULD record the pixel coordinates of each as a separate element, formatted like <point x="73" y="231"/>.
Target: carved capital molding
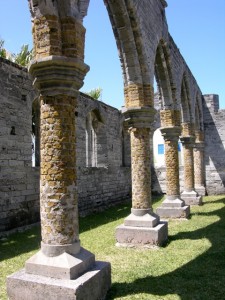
<point x="188" y="141"/>
<point x="199" y="146"/>
<point x="139" y="117"/>
<point x="171" y="133"/>
<point x="54" y="75"/>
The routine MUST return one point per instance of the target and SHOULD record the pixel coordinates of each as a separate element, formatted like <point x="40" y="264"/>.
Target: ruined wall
<point x="102" y="186"/>
<point x="214" y="127"/>
<point x="99" y="187"/>
<point x="18" y="180"/>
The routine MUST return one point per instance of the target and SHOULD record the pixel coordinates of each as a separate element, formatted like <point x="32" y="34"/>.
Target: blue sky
<point x="197" y="27"/>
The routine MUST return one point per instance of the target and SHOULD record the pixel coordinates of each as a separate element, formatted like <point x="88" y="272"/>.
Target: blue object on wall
<point x="160" y="149"/>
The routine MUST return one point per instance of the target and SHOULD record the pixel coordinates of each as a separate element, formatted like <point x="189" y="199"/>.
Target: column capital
<point x="199" y="146"/>
<point x="54" y="75"/>
<point x="187" y="140"/>
<point x="170" y="133"/>
<point x="139" y="117"/>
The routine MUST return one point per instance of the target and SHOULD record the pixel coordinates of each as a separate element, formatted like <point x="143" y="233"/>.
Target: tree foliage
<point x="24" y="56"/>
<point x="2" y="49"/>
<point x="95" y="93"/>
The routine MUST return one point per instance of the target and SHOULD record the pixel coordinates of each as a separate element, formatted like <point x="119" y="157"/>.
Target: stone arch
<point x="129" y="42"/>
<point x="164" y="77"/>
<point x="187" y="117"/>
<point x="185" y="100"/>
<point x="199" y="111"/>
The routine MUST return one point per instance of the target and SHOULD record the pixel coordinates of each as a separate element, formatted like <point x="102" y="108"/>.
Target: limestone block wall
<point x="106" y="184"/>
<point x="159" y="180"/>
<point x="214" y="127"/>
<point x="18" y="180"/>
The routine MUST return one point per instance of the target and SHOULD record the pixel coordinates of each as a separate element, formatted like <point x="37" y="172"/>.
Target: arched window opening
<point x="125" y="146"/>
<point x="36" y="133"/>
<point x="96" y="141"/>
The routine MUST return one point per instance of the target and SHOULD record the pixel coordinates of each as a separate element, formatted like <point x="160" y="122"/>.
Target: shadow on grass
<point x="110" y="215"/>
<point x="19" y="243"/>
<point x="24" y="242"/>
<point x="201" y="278"/>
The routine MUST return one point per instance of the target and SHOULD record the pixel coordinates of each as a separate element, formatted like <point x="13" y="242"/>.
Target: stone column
<point x="189" y="195"/>
<point x="58" y="73"/>
<point x="142" y="227"/>
<point x="172" y="206"/>
<point x="199" y="174"/>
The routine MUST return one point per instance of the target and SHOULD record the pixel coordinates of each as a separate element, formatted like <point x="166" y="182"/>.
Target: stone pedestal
<point x="93" y="284"/>
<point x="142" y="227"/>
<point x="200" y="189"/>
<point x="172" y="206"/>
<point x="191" y="198"/>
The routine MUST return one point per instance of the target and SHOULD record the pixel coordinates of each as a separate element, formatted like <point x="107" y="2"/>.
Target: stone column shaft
<point x="199" y="173"/>
<point x="141" y="168"/>
<point x="172" y="168"/>
<point x="58" y="191"/>
<point x="188" y="168"/>
<point x="198" y="166"/>
<point x="189" y="195"/>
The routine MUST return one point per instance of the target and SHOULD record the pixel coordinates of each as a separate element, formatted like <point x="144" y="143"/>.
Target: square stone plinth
<point x="173" y="212"/>
<point x="64" y="266"/>
<point x="93" y="285"/>
<point x="191" y="198"/>
<point x="173" y="209"/>
<point x="200" y="190"/>
<point x="130" y="236"/>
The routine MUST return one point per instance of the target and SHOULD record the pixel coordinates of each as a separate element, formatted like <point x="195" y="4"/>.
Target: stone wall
<point x="107" y="183"/>
<point x="18" y="180"/>
<point x="99" y="186"/>
<point x="104" y="181"/>
<point x="214" y="127"/>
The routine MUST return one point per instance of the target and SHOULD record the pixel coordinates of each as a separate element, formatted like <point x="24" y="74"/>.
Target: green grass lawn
<point x="191" y="266"/>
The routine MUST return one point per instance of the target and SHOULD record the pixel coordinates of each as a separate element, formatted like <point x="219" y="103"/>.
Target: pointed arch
<point x="186" y="112"/>
<point x="164" y="78"/>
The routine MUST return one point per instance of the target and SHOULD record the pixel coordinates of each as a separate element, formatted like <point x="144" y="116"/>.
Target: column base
<point x="200" y="190"/>
<point x="141" y="231"/>
<point x="173" y="209"/>
<point x="63" y="266"/>
<point x="191" y="198"/>
<point x="93" y="285"/>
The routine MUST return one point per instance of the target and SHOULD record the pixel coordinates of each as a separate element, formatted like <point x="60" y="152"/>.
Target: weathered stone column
<point x="199" y="174"/>
<point x="142" y="227"/>
<point x="172" y="206"/>
<point x="189" y="195"/>
<point x="58" y="73"/>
